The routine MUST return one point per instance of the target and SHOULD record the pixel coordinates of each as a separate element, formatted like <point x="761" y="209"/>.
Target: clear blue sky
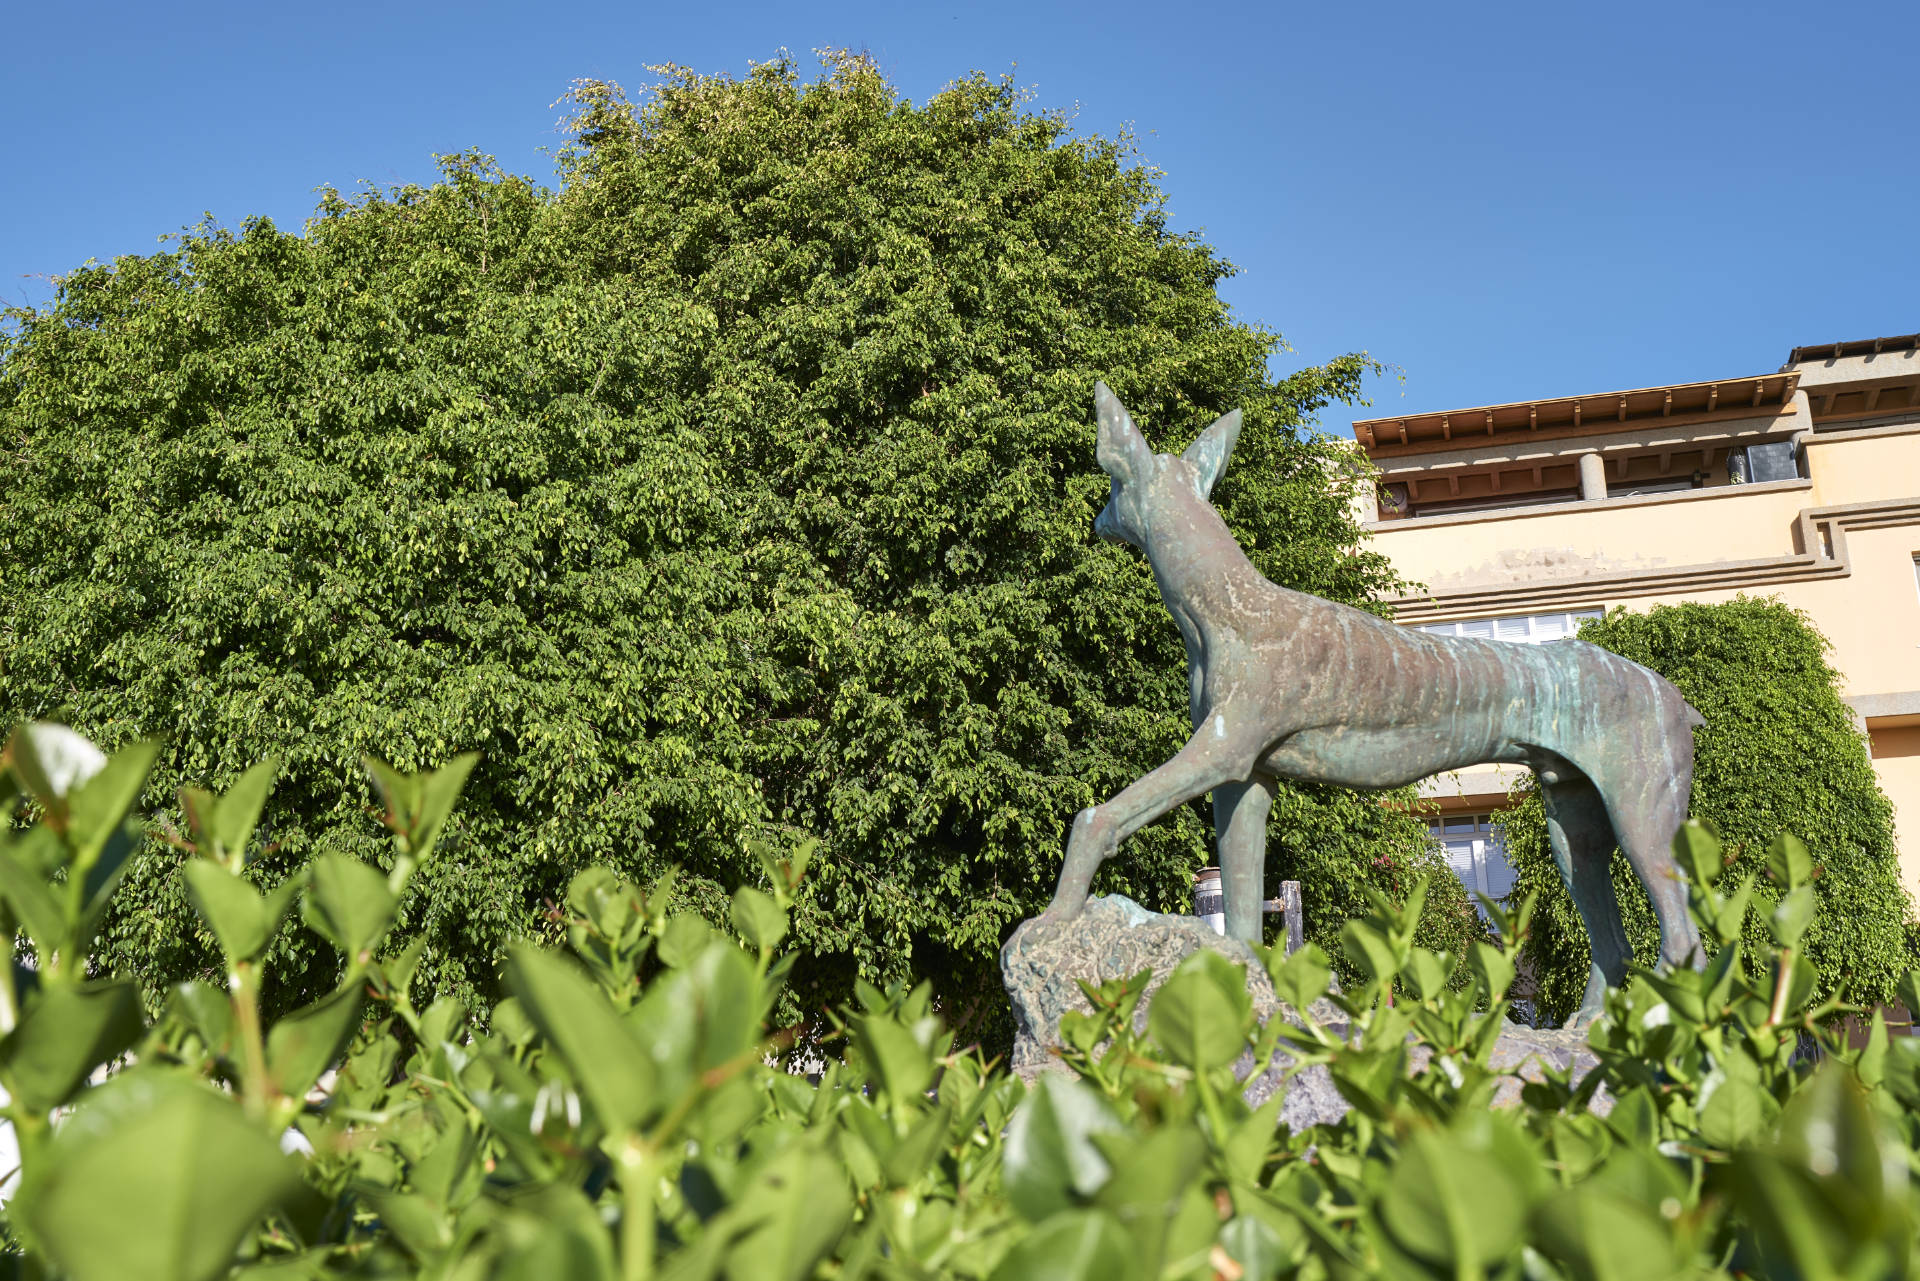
<point x="1505" y="202"/>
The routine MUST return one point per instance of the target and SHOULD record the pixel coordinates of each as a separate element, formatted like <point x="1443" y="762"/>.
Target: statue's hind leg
<point x="1240" y="829"/>
<point x="1645" y="816"/>
<point x="1582" y="838"/>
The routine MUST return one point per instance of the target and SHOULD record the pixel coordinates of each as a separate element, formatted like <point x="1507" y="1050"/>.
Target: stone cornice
<point x="1820" y="533"/>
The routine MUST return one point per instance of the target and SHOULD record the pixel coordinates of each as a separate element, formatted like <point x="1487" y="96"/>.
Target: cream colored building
<point x="1803" y="484"/>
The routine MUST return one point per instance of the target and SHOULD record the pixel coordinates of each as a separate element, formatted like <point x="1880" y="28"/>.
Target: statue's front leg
<point x="1089" y="844"/>
<point x="1213" y="756"/>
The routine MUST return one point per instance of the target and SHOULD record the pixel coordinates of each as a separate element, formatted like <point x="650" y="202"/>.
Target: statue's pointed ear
<point x="1209" y="454"/>
<point x="1121" y="450"/>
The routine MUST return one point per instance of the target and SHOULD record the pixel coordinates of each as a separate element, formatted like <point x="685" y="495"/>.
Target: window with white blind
<point x="1475" y="850"/>
<point x="1526" y="629"/>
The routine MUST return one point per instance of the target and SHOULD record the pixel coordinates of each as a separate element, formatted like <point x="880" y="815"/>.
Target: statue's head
<point x="1144" y="481"/>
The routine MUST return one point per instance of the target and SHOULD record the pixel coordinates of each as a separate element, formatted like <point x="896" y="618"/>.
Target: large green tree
<point x="740" y="485"/>
<point x="1779" y="755"/>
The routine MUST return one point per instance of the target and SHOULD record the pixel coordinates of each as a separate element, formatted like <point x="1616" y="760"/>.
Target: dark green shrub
<point x="1779" y="753"/>
<point x="743" y="482"/>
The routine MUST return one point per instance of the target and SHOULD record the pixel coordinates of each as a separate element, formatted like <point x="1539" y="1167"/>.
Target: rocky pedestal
<point x="1115" y="938"/>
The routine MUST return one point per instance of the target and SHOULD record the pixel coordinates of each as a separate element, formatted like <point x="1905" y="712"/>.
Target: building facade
<point x="1519" y="520"/>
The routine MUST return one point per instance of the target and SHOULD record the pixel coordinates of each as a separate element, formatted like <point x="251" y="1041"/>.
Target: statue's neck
<point x="1201" y="571"/>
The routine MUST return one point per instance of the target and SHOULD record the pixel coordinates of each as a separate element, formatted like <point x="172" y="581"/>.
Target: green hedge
<point x="742" y="483"/>
<point x="1779" y="753"/>
<point x="624" y="1116"/>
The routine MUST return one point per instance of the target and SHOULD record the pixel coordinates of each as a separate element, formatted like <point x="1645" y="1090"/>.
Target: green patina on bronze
<point x="1287" y="685"/>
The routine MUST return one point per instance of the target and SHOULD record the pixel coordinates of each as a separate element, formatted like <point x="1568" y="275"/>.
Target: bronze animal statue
<point x="1287" y="685"/>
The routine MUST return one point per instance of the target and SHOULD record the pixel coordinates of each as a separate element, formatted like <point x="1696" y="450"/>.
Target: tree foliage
<point x="740" y="483"/>
<point x="1779" y="755"/>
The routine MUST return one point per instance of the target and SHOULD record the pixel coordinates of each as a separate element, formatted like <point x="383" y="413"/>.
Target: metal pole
<point x="1209" y="903"/>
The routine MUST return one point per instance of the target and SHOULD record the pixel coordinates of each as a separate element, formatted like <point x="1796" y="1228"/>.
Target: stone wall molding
<point x="1820" y="534"/>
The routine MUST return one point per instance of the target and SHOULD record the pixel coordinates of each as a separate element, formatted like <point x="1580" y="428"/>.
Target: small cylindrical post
<point x="1296" y="922"/>
<point x="1209" y="903"/>
<point x="1593" y="477"/>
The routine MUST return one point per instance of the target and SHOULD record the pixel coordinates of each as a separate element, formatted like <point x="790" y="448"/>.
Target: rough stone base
<point x="1115" y="938"/>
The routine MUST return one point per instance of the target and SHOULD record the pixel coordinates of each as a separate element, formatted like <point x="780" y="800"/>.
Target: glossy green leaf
<point x="123" y="849"/>
<point x="1074" y="1245"/>
<point x="1801" y="979"/>
<point x="396" y="972"/>
<point x="1492" y="968"/>
<point x="1370" y="950"/>
<point x="685" y="937"/>
<point x="1251" y="1142"/>
<point x="801" y="1206"/>
<point x="1151" y="1174"/>
<point x="1731" y="914"/>
<point x="1050" y="1158"/>
<point x="918" y="1148"/>
<point x="348" y="904"/>
<point x="902" y="1065"/>
<point x="1302" y="978"/>
<point x="425" y="1229"/>
<point x="97" y="807"/>
<point x="418" y="805"/>
<point x="757" y="918"/>
<point x="1600" y="1236"/>
<point x="1789" y="861"/>
<point x="549" y="1234"/>
<point x="1830" y="1131"/>
<point x="601" y="1052"/>
<point x="1908" y="990"/>
<point x="1792" y="916"/>
<point x="65" y="1033"/>
<point x="241" y="920"/>
<point x="1429" y="972"/>
<point x="182" y="1172"/>
<point x="1254" y="1246"/>
<point x="238" y="811"/>
<point x="399" y="792"/>
<point x="1445" y="1201"/>
<point x="207" y="1010"/>
<point x="305" y="1043"/>
<point x="439" y="793"/>
<point x="1734" y="1109"/>
<point x="1201" y="1014"/>
<point x="511" y="1024"/>
<point x="1697" y="848"/>
<point x="31" y="899"/>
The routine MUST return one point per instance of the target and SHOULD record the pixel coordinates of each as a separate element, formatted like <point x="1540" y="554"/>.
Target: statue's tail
<point x="1694" y="719"/>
